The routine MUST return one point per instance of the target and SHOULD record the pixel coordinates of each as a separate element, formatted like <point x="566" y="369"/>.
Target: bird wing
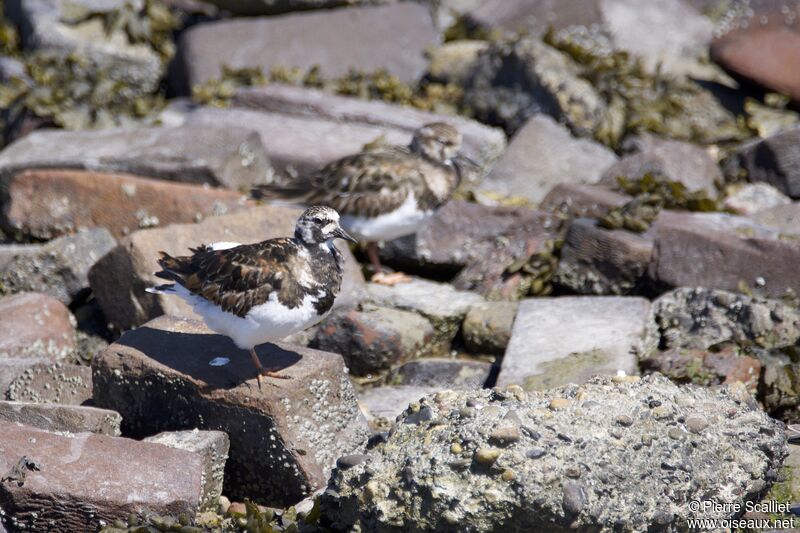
<point x="240" y="278"/>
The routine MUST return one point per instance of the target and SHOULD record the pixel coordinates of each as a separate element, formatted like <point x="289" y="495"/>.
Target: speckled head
<point x="319" y="224"/>
<point x="437" y="141"/>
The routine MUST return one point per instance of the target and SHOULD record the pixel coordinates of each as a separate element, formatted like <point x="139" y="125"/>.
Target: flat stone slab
<point x="61" y="383"/>
<point x="445" y="373"/>
<point x="543" y="154"/>
<point x="231" y="157"/>
<point x="784" y="218"/>
<point x="212" y="446"/>
<point x="86" y="480"/>
<point x="69" y="418"/>
<point x="391" y="37"/>
<point x="284" y="437"/>
<point x="44" y="204"/>
<point x="616" y="453"/>
<point x="487" y="327"/>
<point x="720" y="251"/>
<point x="582" y="200"/>
<point x="556" y="341"/>
<point x="440" y="303"/>
<point x="481" y="143"/>
<point x="120" y="278"/>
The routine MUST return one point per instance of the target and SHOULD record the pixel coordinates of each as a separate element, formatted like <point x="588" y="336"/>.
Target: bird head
<point x="437" y="141"/>
<point x="319" y="224"/>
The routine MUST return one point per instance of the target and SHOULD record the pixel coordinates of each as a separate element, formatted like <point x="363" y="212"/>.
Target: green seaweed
<point x="652" y="193"/>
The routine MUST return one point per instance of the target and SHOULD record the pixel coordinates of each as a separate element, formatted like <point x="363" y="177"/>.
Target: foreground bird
<point x="255" y="293"/>
<point x="385" y="193"/>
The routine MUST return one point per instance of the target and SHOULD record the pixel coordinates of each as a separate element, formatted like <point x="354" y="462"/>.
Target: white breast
<point x="270" y="321"/>
<point x="403" y="221"/>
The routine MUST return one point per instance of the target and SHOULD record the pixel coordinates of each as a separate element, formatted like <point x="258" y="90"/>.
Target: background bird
<point x="255" y="293"/>
<point x="387" y="192"/>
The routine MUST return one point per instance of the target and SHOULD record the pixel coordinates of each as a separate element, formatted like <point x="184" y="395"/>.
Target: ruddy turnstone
<point x="255" y="293"/>
<point x="387" y="192"/>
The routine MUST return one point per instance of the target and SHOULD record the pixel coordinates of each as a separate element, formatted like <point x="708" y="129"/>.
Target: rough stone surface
<point x="487" y="327"/>
<point x="231" y="156"/>
<point x="63" y="496"/>
<point x="70" y="418"/>
<point x="43" y="204"/>
<point x="613" y="454"/>
<point x="440" y="303"/>
<point x="212" y="446"/>
<point x="284" y="436"/>
<point x="698" y="318"/>
<point x="605" y="335"/>
<point x="599" y="261"/>
<point x="784" y="218"/>
<point x="582" y="200"/>
<point x="61" y="267"/>
<point x="391" y="37"/>
<point x="758" y="41"/>
<point x="542" y="155"/>
<point x="274" y="7"/>
<point x="62" y="383"/>
<point x="35" y="325"/>
<point x="9" y="252"/>
<point x="773" y="160"/>
<point x="464" y="233"/>
<point x="678" y="161"/>
<point x="754" y="197"/>
<point x="120" y="278"/>
<point x="722" y="365"/>
<point x="721" y="251"/>
<point x="454" y="62"/>
<point x="513" y="81"/>
<point x="481" y="143"/>
<point x="43" y="27"/>
<point x="443" y="373"/>
<point x="381" y="405"/>
<point x="376" y="338"/>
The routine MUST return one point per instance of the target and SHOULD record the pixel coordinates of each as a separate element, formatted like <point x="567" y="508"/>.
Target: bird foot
<point x="382" y="278"/>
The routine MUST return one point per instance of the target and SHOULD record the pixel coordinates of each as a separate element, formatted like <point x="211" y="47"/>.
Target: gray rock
<point x="671" y="34"/>
<point x="62" y="496"/>
<point x="391" y="37"/>
<point x="69" y="418"/>
<point x="61" y="267"/>
<point x="773" y="160"/>
<point x="381" y="405"/>
<point x="488" y="325"/>
<point x="61" y="383"/>
<point x="229" y="156"/>
<point x="721" y="251"/>
<point x="374" y="339"/>
<point x="46" y="25"/>
<point x="212" y="446"/>
<point x="274" y="7"/>
<point x="605" y="335"/>
<point x="599" y="261"/>
<point x="284" y="436"/>
<point x="678" y="161"/>
<point x="582" y="200"/>
<point x="752" y="198"/>
<point x="443" y="373"/>
<point x="440" y="303"/>
<point x="481" y="143"/>
<point x="120" y="278"/>
<point x="572" y="466"/>
<point x="784" y="218"/>
<point x="698" y="318"/>
<point x="9" y="252"/>
<point x="11" y="67"/>
<point x="542" y="155"/>
<point x="513" y="81"/>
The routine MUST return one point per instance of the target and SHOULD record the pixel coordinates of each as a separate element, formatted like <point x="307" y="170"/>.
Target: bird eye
<point x="316" y="220"/>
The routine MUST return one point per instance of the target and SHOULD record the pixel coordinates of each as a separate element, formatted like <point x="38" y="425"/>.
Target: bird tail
<point x="172" y="269"/>
<point x="296" y="192"/>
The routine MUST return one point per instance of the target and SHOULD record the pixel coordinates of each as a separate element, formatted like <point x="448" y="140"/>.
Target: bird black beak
<point x="342" y="234"/>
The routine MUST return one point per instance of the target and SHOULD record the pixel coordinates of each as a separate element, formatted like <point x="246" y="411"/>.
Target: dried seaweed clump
<point x="71" y="94"/>
<point x="652" y="193"/>
<point x="377" y="85"/>
<point x="641" y="101"/>
<point x="9" y="37"/>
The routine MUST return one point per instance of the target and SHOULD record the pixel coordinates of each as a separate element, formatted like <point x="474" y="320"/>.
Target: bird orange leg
<point x="379" y="276"/>
<point x="263" y="372"/>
